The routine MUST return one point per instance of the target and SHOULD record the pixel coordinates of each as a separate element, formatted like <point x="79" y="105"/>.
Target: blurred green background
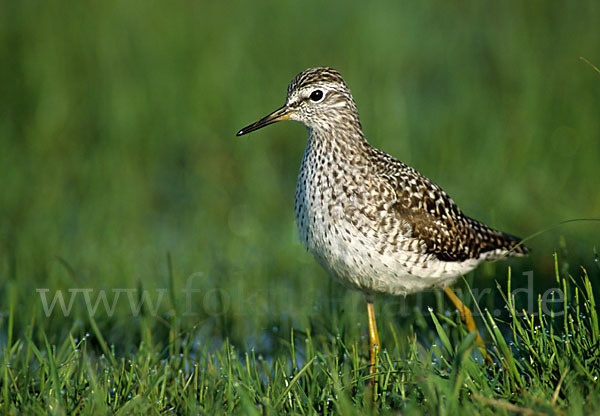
<point x="117" y="145"/>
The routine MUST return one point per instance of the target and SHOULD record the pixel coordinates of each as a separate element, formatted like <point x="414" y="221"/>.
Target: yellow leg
<point x="373" y="336"/>
<point x="467" y="317"/>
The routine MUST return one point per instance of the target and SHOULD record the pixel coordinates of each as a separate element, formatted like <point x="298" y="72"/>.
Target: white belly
<point x="357" y="253"/>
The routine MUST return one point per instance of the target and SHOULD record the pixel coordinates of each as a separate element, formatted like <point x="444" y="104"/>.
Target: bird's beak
<point x="280" y="114"/>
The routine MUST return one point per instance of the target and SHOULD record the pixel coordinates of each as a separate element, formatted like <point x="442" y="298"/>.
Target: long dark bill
<point x="278" y="115"/>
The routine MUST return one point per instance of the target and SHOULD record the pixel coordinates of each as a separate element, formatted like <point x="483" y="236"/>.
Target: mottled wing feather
<point x="436" y="220"/>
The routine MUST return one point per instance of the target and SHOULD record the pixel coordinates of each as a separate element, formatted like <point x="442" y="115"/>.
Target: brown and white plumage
<point x="371" y="221"/>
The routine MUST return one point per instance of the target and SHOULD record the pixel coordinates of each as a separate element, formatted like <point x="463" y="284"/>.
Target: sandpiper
<point x="372" y="222"/>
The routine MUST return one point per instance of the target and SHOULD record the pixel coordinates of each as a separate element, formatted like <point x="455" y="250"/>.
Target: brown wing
<point x="437" y="221"/>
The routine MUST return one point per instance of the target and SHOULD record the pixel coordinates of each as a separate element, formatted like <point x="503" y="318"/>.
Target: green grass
<point x="545" y="364"/>
<point x="120" y="175"/>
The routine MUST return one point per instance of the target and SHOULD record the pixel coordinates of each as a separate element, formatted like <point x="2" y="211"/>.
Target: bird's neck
<point x="343" y="136"/>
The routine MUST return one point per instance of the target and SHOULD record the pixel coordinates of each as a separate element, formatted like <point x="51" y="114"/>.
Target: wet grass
<point x="545" y="362"/>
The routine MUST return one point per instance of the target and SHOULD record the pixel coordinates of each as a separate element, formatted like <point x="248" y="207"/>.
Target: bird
<point x="372" y="222"/>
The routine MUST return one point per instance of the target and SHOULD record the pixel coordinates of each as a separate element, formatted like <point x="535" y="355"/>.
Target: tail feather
<point x="508" y="246"/>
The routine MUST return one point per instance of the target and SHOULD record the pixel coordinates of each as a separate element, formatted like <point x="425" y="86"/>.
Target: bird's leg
<point x="465" y="313"/>
<point x="467" y="317"/>
<point x="373" y="335"/>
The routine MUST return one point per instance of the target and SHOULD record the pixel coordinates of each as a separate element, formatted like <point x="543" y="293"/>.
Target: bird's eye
<point x="316" y="95"/>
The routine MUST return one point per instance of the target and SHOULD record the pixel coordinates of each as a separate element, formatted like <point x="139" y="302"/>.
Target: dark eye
<point x="316" y="95"/>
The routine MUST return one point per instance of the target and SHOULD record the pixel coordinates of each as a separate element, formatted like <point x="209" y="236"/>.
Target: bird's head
<point x="317" y="98"/>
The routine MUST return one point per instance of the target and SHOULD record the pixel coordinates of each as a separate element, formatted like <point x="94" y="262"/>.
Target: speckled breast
<point x="345" y="220"/>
